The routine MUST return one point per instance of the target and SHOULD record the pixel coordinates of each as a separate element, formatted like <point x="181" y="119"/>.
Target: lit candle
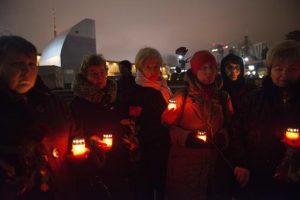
<point x="172" y="104"/>
<point x="108" y="141"/>
<point x="78" y="147"/>
<point x="201" y="135"/>
<point x="292" y="134"/>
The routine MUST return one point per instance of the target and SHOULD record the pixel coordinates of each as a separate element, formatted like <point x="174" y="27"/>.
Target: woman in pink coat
<point x="197" y="166"/>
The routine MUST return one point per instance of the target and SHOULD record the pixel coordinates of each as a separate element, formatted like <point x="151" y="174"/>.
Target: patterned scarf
<point x="86" y="90"/>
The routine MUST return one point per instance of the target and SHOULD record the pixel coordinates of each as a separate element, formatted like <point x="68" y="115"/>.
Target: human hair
<point x="11" y="44"/>
<point x="125" y="63"/>
<point x="145" y="54"/>
<point x="287" y="51"/>
<point x="92" y="60"/>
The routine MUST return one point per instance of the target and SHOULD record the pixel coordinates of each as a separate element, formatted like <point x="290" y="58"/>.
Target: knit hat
<point x="200" y="58"/>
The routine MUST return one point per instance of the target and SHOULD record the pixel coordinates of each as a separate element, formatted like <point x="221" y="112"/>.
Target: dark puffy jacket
<point x="33" y="126"/>
<point x="239" y="88"/>
<point x="259" y="125"/>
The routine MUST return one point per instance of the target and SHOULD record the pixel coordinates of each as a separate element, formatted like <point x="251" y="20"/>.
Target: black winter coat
<point x="98" y="119"/>
<point x="260" y="124"/>
<point x="154" y="142"/>
<point x="33" y="126"/>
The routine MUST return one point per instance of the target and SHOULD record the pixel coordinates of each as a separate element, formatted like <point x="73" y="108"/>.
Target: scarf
<point x="86" y="90"/>
<point x="160" y="84"/>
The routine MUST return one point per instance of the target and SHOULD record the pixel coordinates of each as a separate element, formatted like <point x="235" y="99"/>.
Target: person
<point x="232" y="72"/>
<point x="196" y="169"/>
<point x="94" y="112"/>
<point x="35" y="129"/>
<point x="151" y="95"/>
<point x="260" y="125"/>
<point x="125" y="85"/>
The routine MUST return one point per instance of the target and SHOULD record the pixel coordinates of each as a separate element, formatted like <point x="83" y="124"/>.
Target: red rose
<point x="135" y="111"/>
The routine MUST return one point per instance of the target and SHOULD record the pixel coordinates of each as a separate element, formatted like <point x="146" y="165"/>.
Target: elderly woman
<point x="151" y="95"/>
<point x="261" y="124"/>
<point x="94" y="112"/>
<point x="194" y="169"/>
<point x="35" y="128"/>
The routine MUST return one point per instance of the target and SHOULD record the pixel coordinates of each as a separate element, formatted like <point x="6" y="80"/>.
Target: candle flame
<point x="78" y="147"/>
<point x="201" y="135"/>
<point x="172" y="104"/>
<point x="292" y="134"/>
<point x="108" y="140"/>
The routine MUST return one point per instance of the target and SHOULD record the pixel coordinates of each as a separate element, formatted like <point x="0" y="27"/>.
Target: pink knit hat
<point x="200" y="58"/>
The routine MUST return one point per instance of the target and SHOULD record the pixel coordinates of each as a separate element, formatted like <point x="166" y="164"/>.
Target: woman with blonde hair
<point x="261" y="125"/>
<point x="152" y="94"/>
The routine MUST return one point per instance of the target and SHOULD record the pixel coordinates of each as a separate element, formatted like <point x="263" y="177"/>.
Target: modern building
<point x="68" y="49"/>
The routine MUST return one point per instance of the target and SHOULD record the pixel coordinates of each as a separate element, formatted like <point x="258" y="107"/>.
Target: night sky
<point x="124" y="26"/>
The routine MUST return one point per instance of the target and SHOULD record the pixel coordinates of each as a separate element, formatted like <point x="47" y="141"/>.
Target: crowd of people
<point x="220" y="137"/>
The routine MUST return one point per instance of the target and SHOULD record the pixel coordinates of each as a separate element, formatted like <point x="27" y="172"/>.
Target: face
<point x="207" y="74"/>
<point x="284" y="75"/>
<point x="233" y="71"/>
<point x="151" y="69"/>
<point x="97" y="75"/>
<point x="20" y="72"/>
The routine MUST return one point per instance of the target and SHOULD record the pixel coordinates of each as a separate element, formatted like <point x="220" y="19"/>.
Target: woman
<point x="232" y="72"/>
<point x="260" y="126"/>
<point x="35" y="129"/>
<point x="94" y="112"/>
<point x="195" y="168"/>
<point x="151" y="94"/>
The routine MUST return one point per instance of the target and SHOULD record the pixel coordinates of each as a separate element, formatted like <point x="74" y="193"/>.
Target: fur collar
<point x="86" y="90"/>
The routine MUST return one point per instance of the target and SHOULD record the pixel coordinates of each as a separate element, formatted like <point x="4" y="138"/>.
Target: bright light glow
<point x="180" y="57"/>
<point x="248" y="73"/>
<point x="251" y="67"/>
<point x="246" y="59"/>
<point x="292" y="134"/>
<point x="108" y="140"/>
<point x="201" y="135"/>
<point x="78" y="147"/>
<point x="172" y="104"/>
<point x="253" y="72"/>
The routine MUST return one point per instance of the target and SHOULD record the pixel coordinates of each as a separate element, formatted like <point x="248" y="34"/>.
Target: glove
<point x="193" y="142"/>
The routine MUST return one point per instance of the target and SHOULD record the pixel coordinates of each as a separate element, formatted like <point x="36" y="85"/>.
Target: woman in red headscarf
<point x="196" y="166"/>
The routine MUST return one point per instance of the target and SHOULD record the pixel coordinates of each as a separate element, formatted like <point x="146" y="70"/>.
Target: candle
<point x="172" y="104"/>
<point x="201" y="135"/>
<point x="292" y="134"/>
<point x="78" y="148"/>
<point x="108" y="141"/>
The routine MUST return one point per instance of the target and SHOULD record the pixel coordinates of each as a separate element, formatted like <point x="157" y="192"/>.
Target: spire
<point x="54" y="19"/>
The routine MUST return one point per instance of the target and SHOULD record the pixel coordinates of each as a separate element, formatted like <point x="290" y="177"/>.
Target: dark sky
<point x="124" y="26"/>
